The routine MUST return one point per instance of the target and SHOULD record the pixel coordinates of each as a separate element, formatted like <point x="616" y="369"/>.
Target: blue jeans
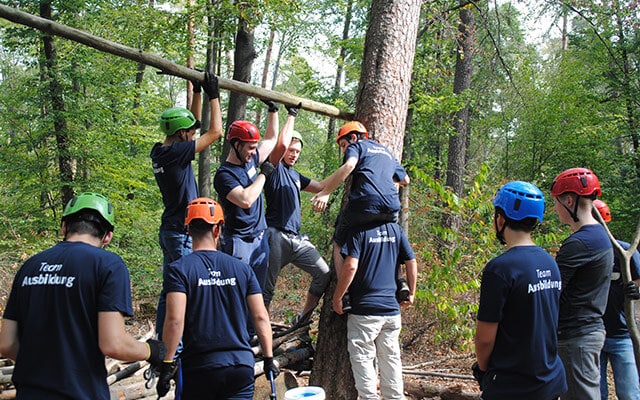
<point x="581" y="358"/>
<point x="254" y="251"/>
<point x="619" y="351"/>
<point x="174" y="245"/>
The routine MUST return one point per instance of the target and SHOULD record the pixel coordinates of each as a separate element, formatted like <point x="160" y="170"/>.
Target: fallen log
<point x="440" y="374"/>
<point x="166" y="66"/>
<point x="133" y="391"/>
<point x="302" y="333"/>
<point x="422" y="390"/>
<point x="125" y="372"/>
<point x="282" y="360"/>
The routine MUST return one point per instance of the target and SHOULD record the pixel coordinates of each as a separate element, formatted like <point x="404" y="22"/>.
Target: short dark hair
<point x="199" y="228"/>
<point x="87" y="221"/>
<point x="524" y="225"/>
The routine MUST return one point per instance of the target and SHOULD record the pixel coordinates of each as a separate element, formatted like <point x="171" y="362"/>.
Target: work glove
<point x="267" y="168"/>
<point x="271" y="105"/>
<point x="631" y="290"/>
<point x="210" y="86"/>
<point x="167" y="371"/>
<point x="293" y="110"/>
<point x="270" y="367"/>
<point x="197" y="88"/>
<point x="478" y="374"/>
<point x="157" y="351"/>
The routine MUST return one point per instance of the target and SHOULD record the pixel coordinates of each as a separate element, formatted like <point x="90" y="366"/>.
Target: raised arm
<point x="214" y="133"/>
<point x="284" y="140"/>
<point x="268" y="143"/>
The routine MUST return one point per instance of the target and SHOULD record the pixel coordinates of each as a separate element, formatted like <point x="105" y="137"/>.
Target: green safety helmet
<point x="174" y="119"/>
<point x="297" y="135"/>
<point x="91" y="201"/>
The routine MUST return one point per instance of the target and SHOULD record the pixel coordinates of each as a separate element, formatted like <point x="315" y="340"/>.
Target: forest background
<point x="73" y="119"/>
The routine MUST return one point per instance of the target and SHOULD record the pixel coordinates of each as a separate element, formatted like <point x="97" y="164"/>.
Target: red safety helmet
<point x="205" y="209"/>
<point x="603" y="209"/>
<point x="581" y="181"/>
<point x="244" y="131"/>
<point x="352" y="127"/>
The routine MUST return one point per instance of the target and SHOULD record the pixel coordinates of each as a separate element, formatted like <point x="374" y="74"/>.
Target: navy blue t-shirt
<point x="174" y="175"/>
<point x="521" y="291"/>
<point x="282" y="193"/>
<point x="380" y="250"/>
<point x="245" y="223"/>
<point x="215" y="329"/>
<point x="55" y="299"/>
<point x="372" y="189"/>
<point x="585" y="260"/>
<point x="614" y="320"/>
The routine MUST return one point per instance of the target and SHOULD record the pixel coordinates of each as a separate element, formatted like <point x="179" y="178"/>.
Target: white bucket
<point x="305" y="393"/>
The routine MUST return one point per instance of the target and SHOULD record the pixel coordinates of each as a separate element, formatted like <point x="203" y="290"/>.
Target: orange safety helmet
<point x="244" y="131"/>
<point x="603" y="209"/>
<point x="352" y="127"/>
<point x="581" y="181"/>
<point x="205" y="209"/>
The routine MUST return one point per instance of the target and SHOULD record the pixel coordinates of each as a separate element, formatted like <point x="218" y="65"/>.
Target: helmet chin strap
<point x="235" y="149"/>
<point x="574" y="213"/>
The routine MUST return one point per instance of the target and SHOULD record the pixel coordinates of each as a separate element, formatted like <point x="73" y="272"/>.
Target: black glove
<point x="167" y="371"/>
<point x="210" y="85"/>
<point x="269" y="366"/>
<point x="478" y="374"/>
<point x="272" y="106"/>
<point x="197" y="88"/>
<point x="157" y="351"/>
<point x="631" y="290"/>
<point x="267" y="168"/>
<point x="293" y="110"/>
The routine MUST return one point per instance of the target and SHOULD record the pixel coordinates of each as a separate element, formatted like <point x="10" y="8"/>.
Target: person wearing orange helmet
<point x="210" y="295"/>
<point x="239" y="181"/>
<point x="585" y="260"/>
<point x="373" y="197"/>
<point x="172" y="170"/>
<point x="618" y="347"/>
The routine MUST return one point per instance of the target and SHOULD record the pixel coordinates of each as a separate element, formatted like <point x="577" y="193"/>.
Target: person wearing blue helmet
<point x="517" y="321"/>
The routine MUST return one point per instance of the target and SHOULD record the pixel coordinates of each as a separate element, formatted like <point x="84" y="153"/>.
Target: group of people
<point x="547" y="328"/>
<point x="221" y="261"/>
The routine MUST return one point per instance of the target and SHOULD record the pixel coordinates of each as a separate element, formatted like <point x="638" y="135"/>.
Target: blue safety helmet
<point x="520" y="200"/>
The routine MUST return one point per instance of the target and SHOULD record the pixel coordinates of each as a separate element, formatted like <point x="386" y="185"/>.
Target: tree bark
<point x="61" y="131"/>
<point x="382" y="101"/>
<point x="244" y="55"/>
<point x="458" y="142"/>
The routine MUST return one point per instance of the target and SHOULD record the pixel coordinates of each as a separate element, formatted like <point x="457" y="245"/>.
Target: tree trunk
<point x="382" y="101"/>
<point x="458" y="142"/>
<point x="265" y="70"/>
<point x="244" y="55"/>
<point x="50" y="75"/>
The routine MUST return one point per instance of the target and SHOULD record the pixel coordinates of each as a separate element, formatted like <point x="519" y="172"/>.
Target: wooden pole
<point x="165" y="66"/>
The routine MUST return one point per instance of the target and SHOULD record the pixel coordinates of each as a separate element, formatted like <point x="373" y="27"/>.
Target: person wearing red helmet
<point x="210" y="295"/>
<point x="373" y="197"/>
<point x="172" y="170"/>
<point x="618" y="347"/>
<point x="239" y="181"/>
<point x="585" y="260"/>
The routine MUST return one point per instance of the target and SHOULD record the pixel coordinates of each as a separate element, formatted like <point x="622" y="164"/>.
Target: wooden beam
<point x="166" y="66"/>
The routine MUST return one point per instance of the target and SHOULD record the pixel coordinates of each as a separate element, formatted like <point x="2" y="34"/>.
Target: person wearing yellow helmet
<point x="173" y="172"/>
<point x="66" y="310"/>
<point x="283" y="215"/>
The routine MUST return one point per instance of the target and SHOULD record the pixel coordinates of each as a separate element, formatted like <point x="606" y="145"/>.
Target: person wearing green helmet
<point x="66" y="311"/>
<point x="174" y="174"/>
<point x="283" y="215"/>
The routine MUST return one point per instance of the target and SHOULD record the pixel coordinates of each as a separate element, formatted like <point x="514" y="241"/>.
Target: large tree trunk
<point x="382" y="100"/>
<point x="244" y="55"/>
<point x="61" y="131"/>
<point x="458" y="142"/>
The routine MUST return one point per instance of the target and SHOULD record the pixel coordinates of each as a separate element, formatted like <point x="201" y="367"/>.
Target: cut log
<point x="166" y="66"/>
